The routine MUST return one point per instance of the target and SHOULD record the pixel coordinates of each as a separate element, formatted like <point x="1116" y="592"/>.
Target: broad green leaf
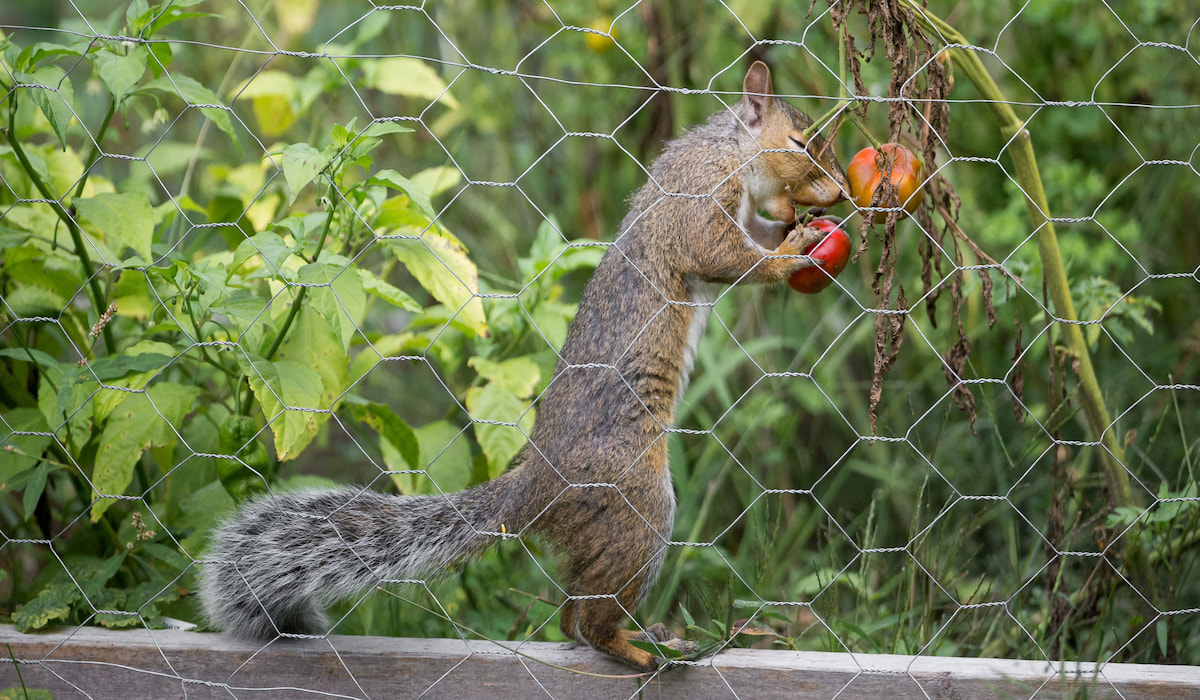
<point x="391" y="345"/>
<point x="21" y="452"/>
<point x="142" y="357"/>
<point x="120" y="73"/>
<point x="341" y="299"/>
<point x="281" y="384"/>
<point x="194" y="93"/>
<point x="384" y="128"/>
<point x="392" y="295"/>
<point x="437" y="179"/>
<point x="52" y="603"/>
<point x="132" y="369"/>
<point x="552" y="319"/>
<point x="407" y="76"/>
<point x="445" y="454"/>
<point x="132" y="295"/>
<point x="269" y="245"/>
<point x="96" y="573"/>
<point x="124" y="220"/>
<point x="134" y="425"/>
<point x="500" y="443"/>
<point x="440" y="263"/>
<point x="272" y="94"/>
<point x="390" y="427"/>
<point x="296" y="17"/>
<point x="301" y="164"/>
<point x="28" y="300"/>
<point x="312" y="342"/>
<point x="520" y="375"/>
<point x="415" y="192"/>
<point x="57" y="102"/>
<point x="113" y="599"/>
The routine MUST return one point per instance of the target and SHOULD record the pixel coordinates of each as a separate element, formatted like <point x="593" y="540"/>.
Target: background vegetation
<point x="280" y="252"/>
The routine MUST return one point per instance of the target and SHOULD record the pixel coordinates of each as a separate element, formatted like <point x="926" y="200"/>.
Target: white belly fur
<point x="698" y="293"/>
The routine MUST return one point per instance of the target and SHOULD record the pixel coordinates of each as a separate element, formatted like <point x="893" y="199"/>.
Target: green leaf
<point x="440" y="263"/>
<point x="290" y="383"/>
<point x="406" y="76"/>
<point x="273" y="249"/>
<point x="519" y="375"/>
<point x="383" y="128"/>
<point x="134" y="425"/>
<point x="301" y="164"/>
<point x="437" y="179"/>
<point x="132" y="369"/>
<point x="34" y="488"/>
<point x="341" y="299"/>
<point x="500" y="443"/>
<point x="167" y="555"/>
<point x="93" y="576"/>
<point x="272" y="94"/>
<point x="40" y="357"/>
<point x="194" y="93"/>
<point x="21" y="452"/>
<point x="52" y="603"/>
<point x="312" y="342"/>
<point x="120" y="73"/>
<point x="123" y="219"/>
<point x="392" y="295"/>
<point x="390" y="427"/>
<point x="28" y="300"/>
<point x="56" y="99"/>
<point x="393" y="179"/>
<point x="444" y="453"/>
<point x="552" y="320"/>
<point x="143" y="357"/>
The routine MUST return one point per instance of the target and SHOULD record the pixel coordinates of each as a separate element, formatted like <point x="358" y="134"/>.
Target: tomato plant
<point x="866" y="173"/>
<point x="833" y="250"/>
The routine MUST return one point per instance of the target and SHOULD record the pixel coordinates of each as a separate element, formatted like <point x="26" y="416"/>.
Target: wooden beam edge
<point x="146" y="656"/>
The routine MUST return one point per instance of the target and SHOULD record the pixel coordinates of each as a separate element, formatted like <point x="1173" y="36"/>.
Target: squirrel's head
<point x="806" y="165"/>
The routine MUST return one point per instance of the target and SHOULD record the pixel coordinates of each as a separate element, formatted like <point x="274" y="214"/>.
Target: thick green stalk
<point x="76" y="235"/>
<point x="1055" y="273"/>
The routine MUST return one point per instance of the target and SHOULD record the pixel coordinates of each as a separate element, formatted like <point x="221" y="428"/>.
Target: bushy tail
<point x="274" y="566"/>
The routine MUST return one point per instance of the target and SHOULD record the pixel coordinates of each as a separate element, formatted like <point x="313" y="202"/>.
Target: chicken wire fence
<point x="270" y="246"/>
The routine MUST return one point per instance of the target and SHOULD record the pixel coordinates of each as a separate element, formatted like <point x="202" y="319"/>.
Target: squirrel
<point x="593" y="480"/>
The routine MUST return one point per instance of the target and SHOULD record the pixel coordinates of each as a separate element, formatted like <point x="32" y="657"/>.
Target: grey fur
<point x="281" y="559"/>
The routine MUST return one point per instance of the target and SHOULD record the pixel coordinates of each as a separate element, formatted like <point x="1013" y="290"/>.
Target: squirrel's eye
<point x="797" y="142"/>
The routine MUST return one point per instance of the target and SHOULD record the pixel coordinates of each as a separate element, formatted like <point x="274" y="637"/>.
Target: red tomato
<point x="833" y="249"/>
<point x="866" y="172"/>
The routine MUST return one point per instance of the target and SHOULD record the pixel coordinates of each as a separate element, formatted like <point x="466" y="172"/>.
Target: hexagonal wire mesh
<point x="231" y="226"/>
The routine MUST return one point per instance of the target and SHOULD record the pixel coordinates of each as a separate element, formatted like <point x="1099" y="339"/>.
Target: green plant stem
<point x="1054" y="271"/>
<point x="76" y="235"/>
<point x="296" y="304"/>
<point x="94" y="154"/>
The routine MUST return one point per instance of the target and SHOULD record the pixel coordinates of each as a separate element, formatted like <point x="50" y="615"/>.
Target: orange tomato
<point x="866" y="172"/>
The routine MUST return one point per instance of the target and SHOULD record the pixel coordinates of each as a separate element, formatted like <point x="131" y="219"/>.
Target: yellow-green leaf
<point x="138" y="421"/>
<point x="123" y="219"/>
<point x="412" y="77"/>
<point x="282" y="384"/>
<point x="500" y="443"/>
<point x="440" y="263"/>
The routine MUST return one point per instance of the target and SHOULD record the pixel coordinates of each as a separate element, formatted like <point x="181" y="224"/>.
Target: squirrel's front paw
<point x="798" y="240"/>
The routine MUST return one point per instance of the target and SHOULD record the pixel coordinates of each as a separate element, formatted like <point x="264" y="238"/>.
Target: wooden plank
<point x="99" y="663"/>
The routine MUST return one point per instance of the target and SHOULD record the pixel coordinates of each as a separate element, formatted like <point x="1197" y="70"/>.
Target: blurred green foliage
<point x="540" y="133"/>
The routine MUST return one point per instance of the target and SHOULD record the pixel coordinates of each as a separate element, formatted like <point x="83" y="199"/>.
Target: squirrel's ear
<point x="757" y="94"/>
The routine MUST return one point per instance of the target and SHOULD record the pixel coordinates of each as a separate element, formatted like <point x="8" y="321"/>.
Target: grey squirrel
<point x="593" y="481"/>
